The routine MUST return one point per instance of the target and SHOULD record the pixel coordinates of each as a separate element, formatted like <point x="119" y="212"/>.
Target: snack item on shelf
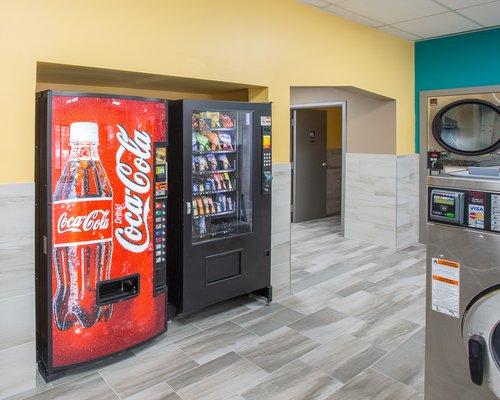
<point x="212" y="162"/>
<point x="227" y="122"/>
<point x="199" y="203"/>
<point x="223" y="161"/>
<point x="201" y="186"/>
<point x="214" y="141"/>
<point x="195" y="208"/>
<point x="194" y="142"/>
<point x="212" y="118"/>
<point x="193" y="164"/>
<point x="209" y="184"/>
<point x="195" y="187"/>
<point x="201" y="226"/>
<point x="227" y="180"/>
<point x="221" y="201"/>
<point x="206" y="205"/>
<point x="212" y="205"/>
<point x="201" y="163"/>
<point x="230" y="204"/>
<point x="203" y="142"/>
<point x="218" y="182"/>
<point x="225" y="141"/>
<point x="194" y="121"/>
<point x="204" y="124"/>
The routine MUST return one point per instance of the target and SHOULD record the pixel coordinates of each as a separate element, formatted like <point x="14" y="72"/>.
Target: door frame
<point x="328" y="104"/>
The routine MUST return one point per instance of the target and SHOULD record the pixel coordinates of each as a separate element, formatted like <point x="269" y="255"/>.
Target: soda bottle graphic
<point x="82" y="232"/>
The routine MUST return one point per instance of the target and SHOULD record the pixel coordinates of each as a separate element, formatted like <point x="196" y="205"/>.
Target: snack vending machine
<point x="219" y="210"/>
<point x="100" y="226"/>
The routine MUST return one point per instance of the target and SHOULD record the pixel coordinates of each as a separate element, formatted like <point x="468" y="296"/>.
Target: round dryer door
<point x="468" y="127"/>
<point x="481" y="335"/>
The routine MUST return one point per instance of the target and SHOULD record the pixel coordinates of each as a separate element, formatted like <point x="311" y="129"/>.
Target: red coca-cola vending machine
<point x="100" y="226"/>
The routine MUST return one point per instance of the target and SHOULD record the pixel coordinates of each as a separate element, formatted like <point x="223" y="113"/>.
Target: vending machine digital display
<point x="220" y="202"/>
<point x="100" y="226"/>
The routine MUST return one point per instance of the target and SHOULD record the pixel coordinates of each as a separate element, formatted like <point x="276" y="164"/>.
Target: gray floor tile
<point x="326" y="324"/>
<point x="89" y="387"/>
<point x="214" y="342"/>
<point x="277" y="349"/>
<point x="160" y="391"/>
<point x="179" y="328"/>
<point x="296" y="381"/>
<point x="371" y="385"/>
<point x="344" y="357"/>
<point x="268" y="318"/>
<point x="386" y="332"/>
<point x="405" y="364"/>
<point x="307" y="301"/>
<point x="219" y="379"/>
<point x="140" y="372"/>
<point x="419" y="336"/>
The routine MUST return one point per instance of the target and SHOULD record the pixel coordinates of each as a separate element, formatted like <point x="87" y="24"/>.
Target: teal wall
<point x="471" y="59"/>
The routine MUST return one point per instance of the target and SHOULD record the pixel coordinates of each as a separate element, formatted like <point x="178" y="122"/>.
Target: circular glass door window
<point x="495" y="344"/>
<point x="468" y="127"/>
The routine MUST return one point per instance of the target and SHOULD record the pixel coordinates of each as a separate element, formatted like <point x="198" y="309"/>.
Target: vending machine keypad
<point x="267" y="167"/>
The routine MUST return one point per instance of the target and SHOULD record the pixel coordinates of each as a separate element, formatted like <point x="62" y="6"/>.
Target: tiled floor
<point x="351" y="330"/>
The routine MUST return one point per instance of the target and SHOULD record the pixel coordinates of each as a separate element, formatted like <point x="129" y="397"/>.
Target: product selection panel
<point x="467" y="208"/>
<point x="160" y="217"/>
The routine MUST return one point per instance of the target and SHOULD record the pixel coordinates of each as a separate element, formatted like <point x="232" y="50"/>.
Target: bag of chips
<point x="212" y="162"/>
<point x="203" y="142"/>
<point x="225" y="141"/>
<point x="223" y="161"/>
<point x="202" y="164"/>
<point x="227" y="122"/>
<point x="214" y="141"/>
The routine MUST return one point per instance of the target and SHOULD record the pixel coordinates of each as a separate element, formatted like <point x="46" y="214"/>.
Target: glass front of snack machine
<point x="221" y="174"/>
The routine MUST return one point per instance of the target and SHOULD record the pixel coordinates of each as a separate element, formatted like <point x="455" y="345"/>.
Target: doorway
<point x="317" y="154"/>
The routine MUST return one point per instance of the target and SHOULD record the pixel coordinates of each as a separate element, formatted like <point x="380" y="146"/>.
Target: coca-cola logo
<point x="93" y="221"/>
<point x="135" y="177"/>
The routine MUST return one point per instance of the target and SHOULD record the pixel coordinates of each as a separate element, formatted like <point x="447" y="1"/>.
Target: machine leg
<point x="266" y="292"/>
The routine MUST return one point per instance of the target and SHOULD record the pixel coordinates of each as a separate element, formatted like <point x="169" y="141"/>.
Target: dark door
<point x="309" y="162"/>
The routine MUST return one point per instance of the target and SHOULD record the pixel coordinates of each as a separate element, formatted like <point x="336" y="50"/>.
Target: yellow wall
<point x="334" y="128"/>
<point x="271" y="43"/>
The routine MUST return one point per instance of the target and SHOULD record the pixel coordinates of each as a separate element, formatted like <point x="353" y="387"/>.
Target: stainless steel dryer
<point x="463" y="130"/>
<point x="463" y="286"/>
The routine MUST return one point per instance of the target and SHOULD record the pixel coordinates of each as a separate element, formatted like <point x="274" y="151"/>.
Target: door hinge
<point x="291" y="165"/>
<point x="292" y="122"/>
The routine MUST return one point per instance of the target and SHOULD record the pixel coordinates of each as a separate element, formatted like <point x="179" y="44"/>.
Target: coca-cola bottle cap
<point x="84" y="132"/>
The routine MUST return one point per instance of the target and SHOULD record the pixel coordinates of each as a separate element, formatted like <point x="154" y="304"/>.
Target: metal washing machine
<point x="463" y="249"/>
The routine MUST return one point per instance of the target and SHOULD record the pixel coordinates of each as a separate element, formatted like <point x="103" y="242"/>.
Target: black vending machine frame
<point x="186" y="273"/>
<point x="43" y="234"/>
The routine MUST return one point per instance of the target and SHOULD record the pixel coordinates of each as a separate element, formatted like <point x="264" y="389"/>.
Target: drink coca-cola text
<point x="135" y="236"/>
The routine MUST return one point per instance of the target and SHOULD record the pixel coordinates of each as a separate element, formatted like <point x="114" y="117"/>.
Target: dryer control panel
<point x="467" y="208"/>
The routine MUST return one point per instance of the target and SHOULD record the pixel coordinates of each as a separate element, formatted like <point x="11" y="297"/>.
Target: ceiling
<point x="416" y="19"/>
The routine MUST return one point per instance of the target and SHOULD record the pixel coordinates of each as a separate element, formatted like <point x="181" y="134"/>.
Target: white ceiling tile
<point x="392" y="11"/>
<point x="398" y="32"/>
<point x="316" y="3"/>
<point x="486" y="14"/>
<point x="438" y="25"/>
<point x="456" y="4"/>
<point x="352" y="16"/>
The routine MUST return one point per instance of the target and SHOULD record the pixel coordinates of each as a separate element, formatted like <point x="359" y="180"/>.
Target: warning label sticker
<point x="446" y="287"/>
